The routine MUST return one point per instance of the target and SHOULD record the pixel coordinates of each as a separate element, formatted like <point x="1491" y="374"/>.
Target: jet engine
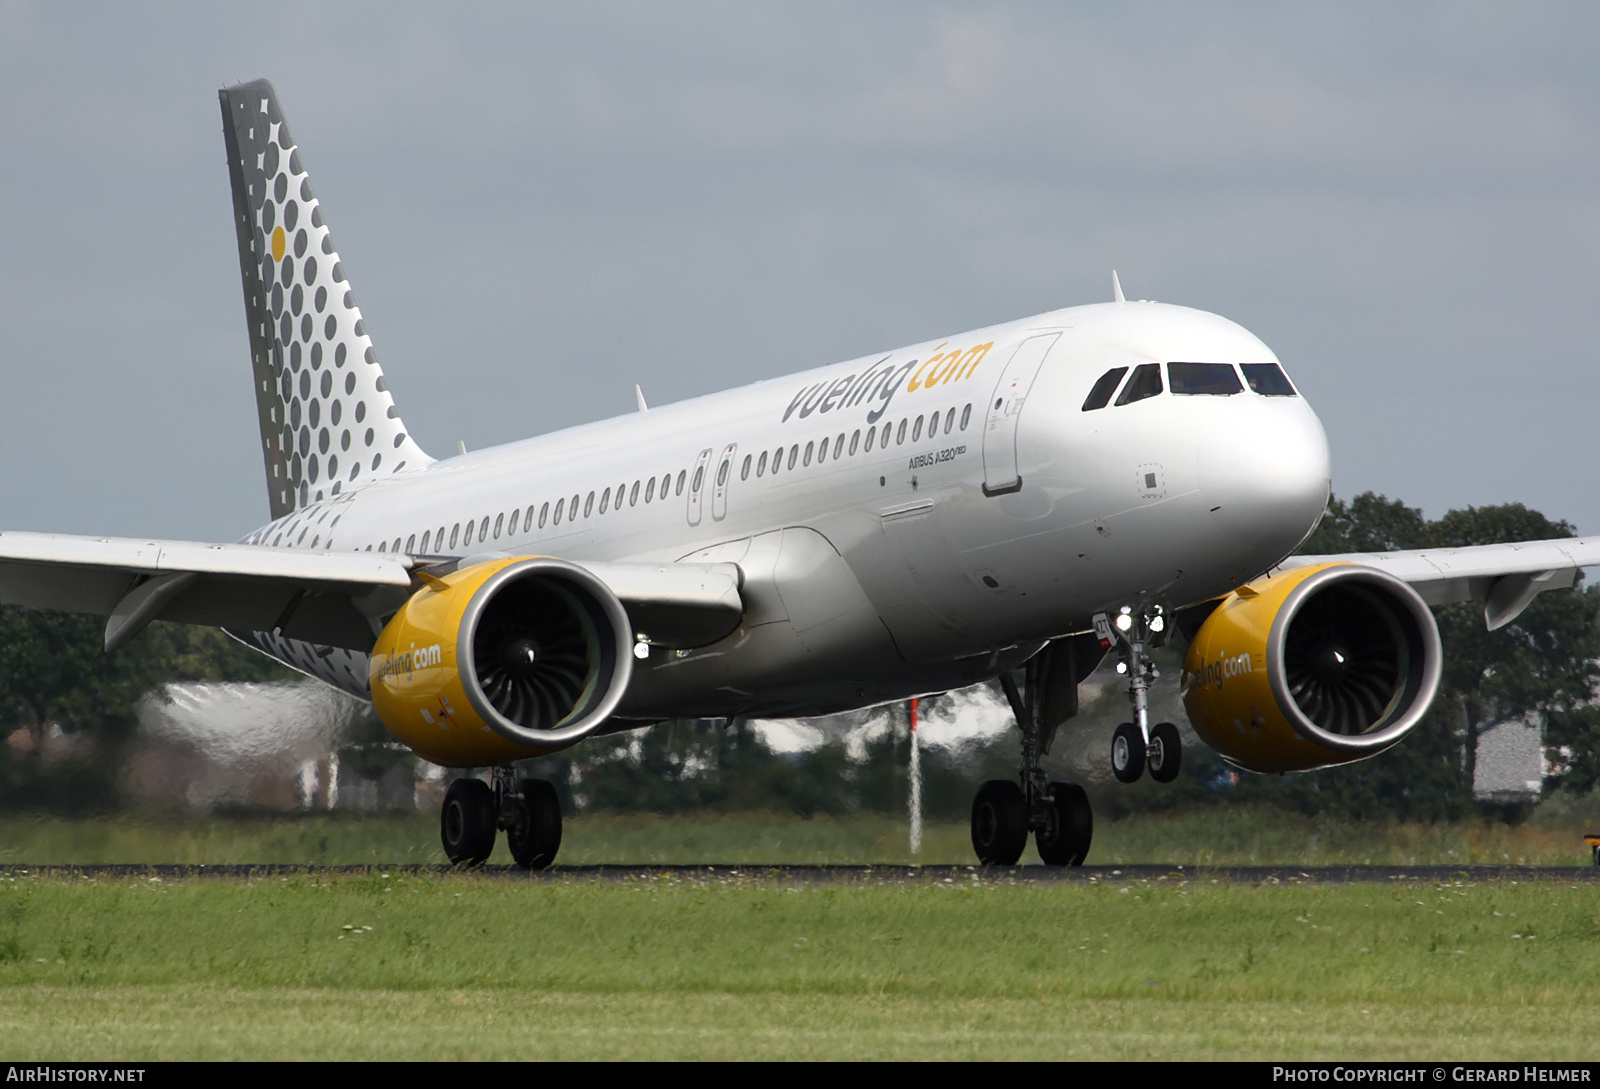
<point x="1318" y="666"/>
<point x="502" y="660"/>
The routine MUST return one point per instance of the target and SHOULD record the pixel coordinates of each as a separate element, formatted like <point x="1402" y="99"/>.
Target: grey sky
<point x="540" y="206"/>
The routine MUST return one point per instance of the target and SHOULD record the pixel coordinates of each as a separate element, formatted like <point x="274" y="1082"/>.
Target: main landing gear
<point x="1137" y="745"/>
<point x="474" y="811"/>
<point x="1058" y="814"/>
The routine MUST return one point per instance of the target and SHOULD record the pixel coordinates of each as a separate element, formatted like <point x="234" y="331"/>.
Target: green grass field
<point x="1219" y="836"/>
<point x="444" y="967"/>
<point x="434" y="967"/>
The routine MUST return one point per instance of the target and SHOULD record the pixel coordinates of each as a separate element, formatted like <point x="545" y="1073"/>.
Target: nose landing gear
<point x="474" y="812"/>
<point x="1136" y="745"/>
<point x="1058" y="814"/>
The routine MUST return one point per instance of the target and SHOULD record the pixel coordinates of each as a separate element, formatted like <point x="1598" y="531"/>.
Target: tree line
<point x="54" y="675"/>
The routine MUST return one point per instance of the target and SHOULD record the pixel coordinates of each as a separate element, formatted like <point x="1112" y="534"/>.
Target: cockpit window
<point x="1100" y="396"/>
<point x="1267" y="379"/>
<point x="1146" y="382"/>
<point x="1211" y="379"/>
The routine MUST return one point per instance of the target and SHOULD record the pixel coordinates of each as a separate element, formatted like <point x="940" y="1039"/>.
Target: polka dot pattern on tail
<point x="299" y="309"/>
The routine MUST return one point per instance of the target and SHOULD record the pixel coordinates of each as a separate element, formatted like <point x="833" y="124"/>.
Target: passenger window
<point x="744" y="470"/>
<point x="855" y="441"/>
<point x="1204" y="379"/>
<point x="633" y="493"/>
<point x="683" y="474"/>
<point x="699" y="478"/>
<point x="543" y="510"/>
<point x="381" y="548"/>
<point x="561" y="505"/>
<point x="900" y="435"/>
<point x="722" y="474"/>
<point x="427" y="536"/>
<point x="588" y="505"/>
<point x="933" y="425"/>
<point x="650" y="489"/>
<point x="883" y="436"/>
<point x="499" y="521"/>
<point x="809" y="447"/>
<point x="483" y="530"/>
<point x="966" y="414"/>
<point x="761" y="466"/>
<point x="794" y="454"/>
<point x="1267" y="379"/>
<point x="527" y="520"/>
<point x="411" y="544"/>
<point x="1146" y="382"/>
<point x="777" y="459"/>
<point x="511" y="523"/>
<point x="822" y="451"/>
<point x="455" y="532"/>
<point x="1104" y="387"/>
<point x="605" y="500"/>
<point x="916" y="430"/>
<point x="872" y="435"/>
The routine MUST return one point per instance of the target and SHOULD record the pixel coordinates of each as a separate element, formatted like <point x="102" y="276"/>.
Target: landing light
<point x="641" y="650"/>
<point x="1156" y="623"/>
<point x="1122" y="667"/>
<point x="1124" y="622"/>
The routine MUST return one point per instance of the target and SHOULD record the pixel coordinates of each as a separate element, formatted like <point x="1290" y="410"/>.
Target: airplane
<point x="1020" y="499"/>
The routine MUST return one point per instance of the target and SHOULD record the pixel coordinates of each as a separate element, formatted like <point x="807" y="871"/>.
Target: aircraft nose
<point x="1266" y="477"/>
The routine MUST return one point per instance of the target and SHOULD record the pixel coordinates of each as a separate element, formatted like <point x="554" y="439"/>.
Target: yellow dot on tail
<point x="277" y="243"/>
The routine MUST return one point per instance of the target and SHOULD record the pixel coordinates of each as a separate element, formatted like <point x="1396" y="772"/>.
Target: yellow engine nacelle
<point x="1314" y="667"/>
<point x="501" y="661"/>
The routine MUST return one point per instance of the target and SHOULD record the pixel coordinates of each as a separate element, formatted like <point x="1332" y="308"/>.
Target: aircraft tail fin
<point x="328" y="421"/>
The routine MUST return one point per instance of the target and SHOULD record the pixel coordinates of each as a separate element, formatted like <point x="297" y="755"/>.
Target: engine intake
<point x="1314" y="667"/>
<point x="502" y="660"/>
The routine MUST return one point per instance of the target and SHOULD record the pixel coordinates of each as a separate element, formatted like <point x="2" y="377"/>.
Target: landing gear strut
<point x="1137" y="745"/>
<point x="474" y="811"/>
<point x="1058" y="814"/>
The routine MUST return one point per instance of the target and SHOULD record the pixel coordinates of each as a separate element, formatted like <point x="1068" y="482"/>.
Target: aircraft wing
<point x="1505" y="577"/>
<point x="330" y="598"/>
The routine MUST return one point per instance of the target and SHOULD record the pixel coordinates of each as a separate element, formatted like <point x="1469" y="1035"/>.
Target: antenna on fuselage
<point x="1116" y="288"/>
<point x="639" y="394"/>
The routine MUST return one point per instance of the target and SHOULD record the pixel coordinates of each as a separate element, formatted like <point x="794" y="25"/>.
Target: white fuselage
<point x="925" y="558"/>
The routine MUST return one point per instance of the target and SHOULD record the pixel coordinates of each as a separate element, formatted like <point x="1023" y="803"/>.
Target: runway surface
<point x="860" y="875"/>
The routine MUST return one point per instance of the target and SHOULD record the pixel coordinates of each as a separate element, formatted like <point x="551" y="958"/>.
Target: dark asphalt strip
<point x="859" y="875"/>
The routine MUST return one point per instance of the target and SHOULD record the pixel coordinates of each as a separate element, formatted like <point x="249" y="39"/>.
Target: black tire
<point x="1065" y="842"/>
<point x="535" y="833"/>
<point x="1166" y="752"/>
<point x="466" y="822"/>
<point x="1127" y="753"/>
<point x="999" y="823"/>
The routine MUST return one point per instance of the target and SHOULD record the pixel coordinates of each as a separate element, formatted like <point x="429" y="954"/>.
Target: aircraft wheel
<point x="466" y="823"/>
<point x="1065" y="842"/>
<point x="1127" y="753"/>
<point x="1166" y="752"/>
<point x="999" y="823"/>
<point x="535" y="833"/>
